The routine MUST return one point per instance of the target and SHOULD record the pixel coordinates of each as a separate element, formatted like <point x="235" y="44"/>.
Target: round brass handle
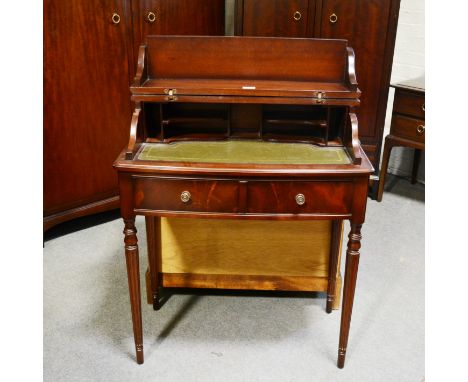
<point x="300" y="199"/>
<point x="151" y="17"/>
<point x="297" y="15"/>
<point x="185" y="196"/>
<point x="333" y="18"/>
<point x="420" y="129"/>
<point x="423" y="107"/>
<point x="115" y="18"/>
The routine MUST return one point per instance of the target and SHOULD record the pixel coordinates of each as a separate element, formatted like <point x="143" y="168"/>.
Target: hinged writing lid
<point x="172" y="68"/>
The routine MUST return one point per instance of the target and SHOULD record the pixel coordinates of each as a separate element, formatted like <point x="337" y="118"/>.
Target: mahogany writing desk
<point x="244" y="128"/>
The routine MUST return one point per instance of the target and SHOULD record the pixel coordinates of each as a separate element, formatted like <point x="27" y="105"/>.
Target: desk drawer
<point x="186" y="194"/>
<point x="285" y="197"/>
<point x="409" y="128"/>
<point x="409" y="103"/>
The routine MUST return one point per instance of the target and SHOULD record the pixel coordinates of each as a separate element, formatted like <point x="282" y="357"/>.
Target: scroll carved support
<point x="132" y="142"/>
<point x="142" y="71"/>
<point x="352" y="263"/>
<point x="133" y="272"/>
<point x="353" y="143"/>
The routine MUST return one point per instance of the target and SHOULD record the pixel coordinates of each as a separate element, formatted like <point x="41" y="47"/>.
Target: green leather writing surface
<point x="238" y="151"/>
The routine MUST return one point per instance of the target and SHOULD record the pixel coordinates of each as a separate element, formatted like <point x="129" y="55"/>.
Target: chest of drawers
<point x="407" y="128"/>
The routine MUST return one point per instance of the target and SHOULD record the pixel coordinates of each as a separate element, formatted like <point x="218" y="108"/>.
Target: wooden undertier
<point x="256" y="254"/>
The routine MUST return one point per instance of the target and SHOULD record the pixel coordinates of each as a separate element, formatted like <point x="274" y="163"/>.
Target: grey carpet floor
<point x="88" y="332"/>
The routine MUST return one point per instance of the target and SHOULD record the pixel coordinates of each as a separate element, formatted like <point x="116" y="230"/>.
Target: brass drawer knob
<point x="333" y="18"/>
<point x="300" y="199"/>
<point x="420" y="129"/>
<point x="297" y="15"/>
<point x="151" y="17"/>
<point x="115" y="18"/>
<point x="185" y="196"/>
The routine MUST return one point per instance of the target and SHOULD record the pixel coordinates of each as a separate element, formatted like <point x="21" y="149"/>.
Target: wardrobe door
<point x="86" y="100"/>
<point x="181" y="17"/>
<point x="274" y="18"/>
<point x="338" y="19"/>
<point x="366" y="25"/>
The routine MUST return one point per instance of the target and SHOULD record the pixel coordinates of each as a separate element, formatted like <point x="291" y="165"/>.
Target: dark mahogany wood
<point x="177" y="17"/>
<point x="279" y="197"/>
<point x="259" y="60"/>
<point x="132" y="260"/>
<point x="111" y="203"/>
<point x="131" y="256"/>
<point x="368" y="25"/>
<point x="153" y="237"/>
<point x="407" y="128"/>
<point x="80" y="76"/>
<point x="276" y="18"/>
<point x="352" y="263"/>
<point x="229" y="190"/>
<point x="88" y="60"/>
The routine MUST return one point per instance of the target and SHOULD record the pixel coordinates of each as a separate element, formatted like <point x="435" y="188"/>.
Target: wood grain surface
<point x="205" y="246"/>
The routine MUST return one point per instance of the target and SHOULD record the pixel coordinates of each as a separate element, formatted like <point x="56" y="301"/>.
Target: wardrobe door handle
<point x="151" y="17"/>
<point x="333" y="18"/>
<point x="115" y="18"/>
<point x="297" y="15"/>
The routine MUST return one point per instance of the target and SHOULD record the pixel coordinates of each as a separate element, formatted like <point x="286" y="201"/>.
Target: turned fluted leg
<point x="333" y="263"/>
<point x="133" y="272"/>
<point x="352" y="262"/>
<point x="153" y="235"/>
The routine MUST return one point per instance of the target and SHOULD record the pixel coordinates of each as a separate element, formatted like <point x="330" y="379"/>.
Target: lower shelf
<point x="246" y="282"/>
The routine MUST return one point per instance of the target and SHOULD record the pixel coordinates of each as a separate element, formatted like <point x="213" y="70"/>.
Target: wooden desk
<point x="244" y="142"/>
<point x="407" y="128"/>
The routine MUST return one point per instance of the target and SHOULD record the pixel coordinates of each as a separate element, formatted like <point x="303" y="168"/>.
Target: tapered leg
<point x="352" y="262"/>
<point x="333" y="263"/>
<point x="133" y="272"/>
<point x="383" y="169"/>
<point x="153" y="235"/>
<point x="416" y="160"/>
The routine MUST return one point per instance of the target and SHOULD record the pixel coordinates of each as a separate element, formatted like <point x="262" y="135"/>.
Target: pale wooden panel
<point x="339" y="280"/>
<point x="256" y="282"/>
<point x="275" y="248"/>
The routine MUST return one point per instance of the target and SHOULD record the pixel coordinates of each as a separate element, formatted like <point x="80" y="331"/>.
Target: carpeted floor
<point x="244" y="337"/>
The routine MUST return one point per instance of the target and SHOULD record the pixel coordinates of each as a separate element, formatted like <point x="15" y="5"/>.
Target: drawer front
<point x="186" y="195"/>
<point x="409" y="128"/>
<point x="409" y="103"/>
<point x="298" y="197"/>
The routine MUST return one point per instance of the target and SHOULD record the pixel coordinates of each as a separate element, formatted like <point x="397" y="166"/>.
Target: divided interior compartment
<point x="321" y="125"/>
<point x="194" y="120"/>
<point x="295" y="123"/>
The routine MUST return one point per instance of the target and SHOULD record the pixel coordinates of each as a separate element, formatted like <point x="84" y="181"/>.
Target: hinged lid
<point x="256" y="69"/>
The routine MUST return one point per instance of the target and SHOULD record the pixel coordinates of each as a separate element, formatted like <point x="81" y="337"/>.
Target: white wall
<point x="408" y="63"/>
